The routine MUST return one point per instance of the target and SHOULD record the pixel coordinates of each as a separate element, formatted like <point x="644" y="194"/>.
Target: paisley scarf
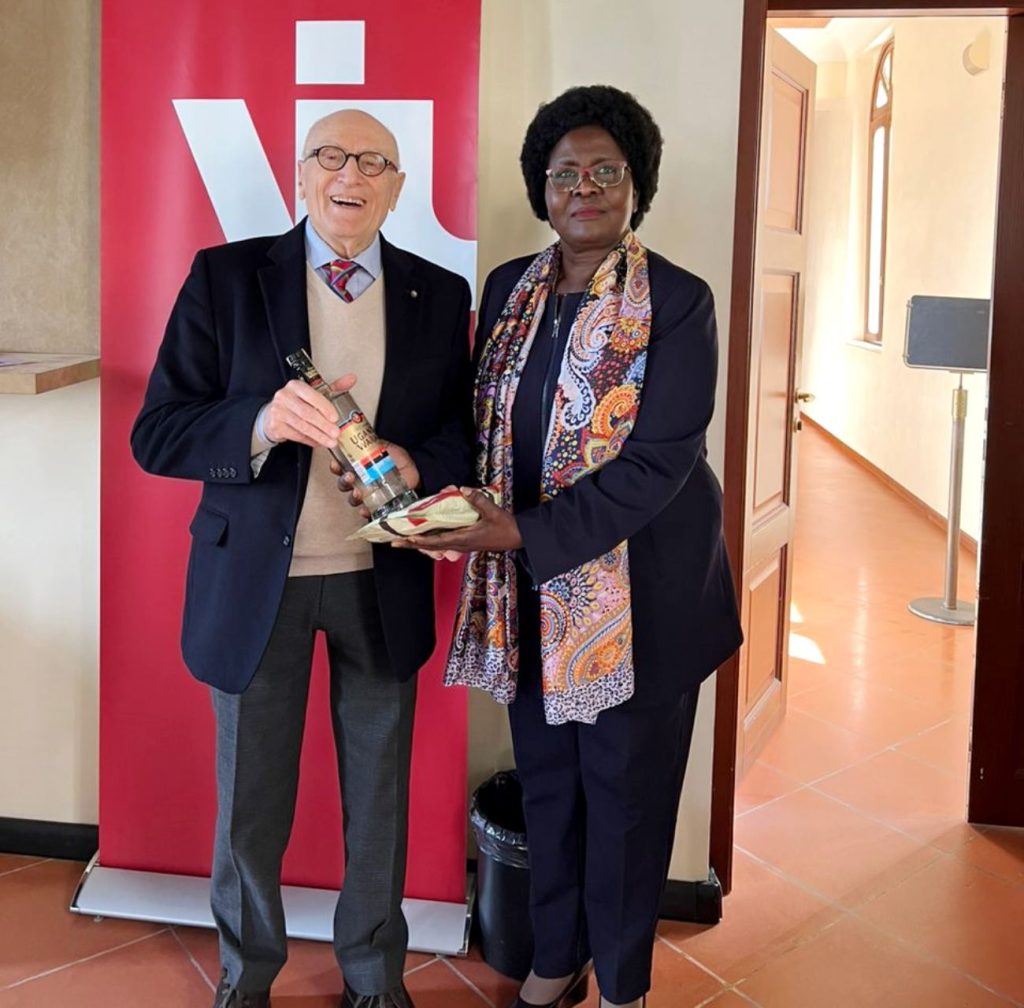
<point x="585" y="620"/>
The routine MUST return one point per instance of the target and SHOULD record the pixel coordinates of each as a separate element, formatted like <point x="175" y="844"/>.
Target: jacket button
<point x="286" y="541"/>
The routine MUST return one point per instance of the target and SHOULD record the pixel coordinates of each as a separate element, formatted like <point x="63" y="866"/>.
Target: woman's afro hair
<point x="618" y="112"/>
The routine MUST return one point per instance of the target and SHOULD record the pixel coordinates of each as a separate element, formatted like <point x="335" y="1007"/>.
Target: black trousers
<point x="259" y="738"/>
<point x="601" y="803"/>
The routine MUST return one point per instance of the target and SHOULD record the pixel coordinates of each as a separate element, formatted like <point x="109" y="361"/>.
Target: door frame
<point x="1000" y="643"/>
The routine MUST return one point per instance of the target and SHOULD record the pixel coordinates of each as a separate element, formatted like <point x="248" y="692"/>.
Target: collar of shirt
<point x="319" y="254"/>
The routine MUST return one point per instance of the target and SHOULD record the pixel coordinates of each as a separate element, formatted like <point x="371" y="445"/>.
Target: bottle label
<point x="360" y="446"/>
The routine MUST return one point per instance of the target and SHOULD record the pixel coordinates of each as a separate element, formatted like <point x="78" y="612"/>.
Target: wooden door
<point x="997" y="734"/>
<point x="774" y="417"/>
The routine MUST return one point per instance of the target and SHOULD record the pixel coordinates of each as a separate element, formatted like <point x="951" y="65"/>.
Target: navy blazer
<point x="659" y="493"/>
<point x="241" y="311"/>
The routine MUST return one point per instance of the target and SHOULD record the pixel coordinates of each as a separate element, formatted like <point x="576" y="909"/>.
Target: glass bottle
<point x="358" y="450"/>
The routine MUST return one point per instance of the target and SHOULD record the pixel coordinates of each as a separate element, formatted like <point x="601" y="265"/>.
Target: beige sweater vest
<point x="344" y="337"/>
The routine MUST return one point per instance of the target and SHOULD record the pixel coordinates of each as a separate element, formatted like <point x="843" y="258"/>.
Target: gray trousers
<point x="259" y="738"/>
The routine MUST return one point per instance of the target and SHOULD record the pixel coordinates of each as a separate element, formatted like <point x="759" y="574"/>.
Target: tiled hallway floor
<point x="857" y="882"/>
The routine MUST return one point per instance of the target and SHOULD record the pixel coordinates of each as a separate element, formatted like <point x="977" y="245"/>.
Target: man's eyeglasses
<point x="332" y="158"/>
<point x="606" y="174"/>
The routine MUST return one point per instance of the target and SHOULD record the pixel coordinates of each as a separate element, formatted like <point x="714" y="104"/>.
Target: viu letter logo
<point x="221" y="135"/>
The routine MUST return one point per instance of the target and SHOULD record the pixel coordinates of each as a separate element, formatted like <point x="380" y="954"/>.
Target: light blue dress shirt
<point x="319" y="254"/>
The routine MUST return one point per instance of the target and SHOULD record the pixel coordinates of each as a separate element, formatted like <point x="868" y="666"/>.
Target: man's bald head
<point x="346" y="206"/>
<point x="355" y="123"/>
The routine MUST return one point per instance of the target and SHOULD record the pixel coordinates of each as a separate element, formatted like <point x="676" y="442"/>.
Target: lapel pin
<point x="414" y="293"/>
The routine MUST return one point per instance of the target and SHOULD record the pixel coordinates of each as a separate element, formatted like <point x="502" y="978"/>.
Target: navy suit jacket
<point x="241" y="311"/>
<point x="659" y="493"/>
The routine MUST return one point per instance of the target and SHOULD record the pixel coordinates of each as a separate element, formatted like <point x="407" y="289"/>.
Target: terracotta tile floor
<point x="857" y="883"/>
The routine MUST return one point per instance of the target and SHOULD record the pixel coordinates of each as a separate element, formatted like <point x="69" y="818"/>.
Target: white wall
<point x="49" y="604"/>
<point x="942" y="191"/>
<point x="684" y="66"/>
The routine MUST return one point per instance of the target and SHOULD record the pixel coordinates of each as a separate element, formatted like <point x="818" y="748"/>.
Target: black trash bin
<point x="503" y="875"/>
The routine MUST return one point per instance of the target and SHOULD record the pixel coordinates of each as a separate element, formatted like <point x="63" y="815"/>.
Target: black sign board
<point x="947" y="333"/>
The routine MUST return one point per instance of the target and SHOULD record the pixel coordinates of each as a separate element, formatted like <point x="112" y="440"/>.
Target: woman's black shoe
<point x="576" y="990"/>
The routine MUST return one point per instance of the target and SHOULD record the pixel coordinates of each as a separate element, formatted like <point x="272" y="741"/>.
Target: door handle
<point x="805" y="397"/>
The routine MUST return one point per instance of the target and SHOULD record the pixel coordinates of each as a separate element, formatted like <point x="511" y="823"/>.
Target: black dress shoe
<point x="576" y="990"/>
<point x="397" y="998"/>
<point x="228" y="997"/>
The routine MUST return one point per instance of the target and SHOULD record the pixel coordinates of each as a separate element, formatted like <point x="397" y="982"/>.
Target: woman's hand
<point x="496" y="530"/>
<point x="441" y="554"/>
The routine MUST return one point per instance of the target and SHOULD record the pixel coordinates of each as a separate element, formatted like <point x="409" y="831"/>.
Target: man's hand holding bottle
<point x="298" y="413"/>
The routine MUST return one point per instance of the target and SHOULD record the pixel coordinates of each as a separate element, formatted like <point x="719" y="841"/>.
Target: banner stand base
<point x="436" y="927"/>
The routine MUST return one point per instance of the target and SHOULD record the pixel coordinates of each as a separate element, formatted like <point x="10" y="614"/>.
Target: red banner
<point x="203" y="108"/>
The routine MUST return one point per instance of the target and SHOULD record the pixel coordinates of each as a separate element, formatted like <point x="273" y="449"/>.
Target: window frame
<point x="878" y="119"/>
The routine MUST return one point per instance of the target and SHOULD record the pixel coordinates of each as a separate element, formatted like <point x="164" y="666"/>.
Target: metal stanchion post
<point x="949" y="609"/>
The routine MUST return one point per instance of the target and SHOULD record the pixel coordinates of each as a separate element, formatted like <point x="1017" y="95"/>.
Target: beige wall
<point x="515" y="77"/>
<point x="49" y="444"/>
<point x="49" y="135"/>
<point x="944" y="160"/>
<point x="685" y="67"/>
<point x="687" y="73"/>
<point x="683" y="62"/>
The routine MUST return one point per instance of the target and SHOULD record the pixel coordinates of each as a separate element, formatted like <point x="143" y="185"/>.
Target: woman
<point x="597" y="595"/>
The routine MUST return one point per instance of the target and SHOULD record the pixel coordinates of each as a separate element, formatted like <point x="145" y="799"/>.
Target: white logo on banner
<point x="236" y="172"/>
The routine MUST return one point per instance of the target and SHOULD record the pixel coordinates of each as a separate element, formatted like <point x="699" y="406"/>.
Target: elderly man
<point x="271" y="563"/>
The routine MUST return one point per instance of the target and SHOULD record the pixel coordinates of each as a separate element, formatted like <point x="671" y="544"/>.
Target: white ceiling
<point x="840" y="40"/>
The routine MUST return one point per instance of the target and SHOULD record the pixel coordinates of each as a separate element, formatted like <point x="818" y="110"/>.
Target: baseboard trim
<point x="698" y="902"/>
<point x="40" y="838"/>
<point x="967" y="542"/>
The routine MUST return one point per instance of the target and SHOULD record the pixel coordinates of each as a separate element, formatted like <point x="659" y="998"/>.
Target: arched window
<point x="878" y="192"/>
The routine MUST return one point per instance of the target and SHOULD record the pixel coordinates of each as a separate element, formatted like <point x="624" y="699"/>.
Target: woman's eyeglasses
<point x="605" y="175"/>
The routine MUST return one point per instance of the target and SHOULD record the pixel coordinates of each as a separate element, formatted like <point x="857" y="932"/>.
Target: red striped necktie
<point x="339" y="272"/>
